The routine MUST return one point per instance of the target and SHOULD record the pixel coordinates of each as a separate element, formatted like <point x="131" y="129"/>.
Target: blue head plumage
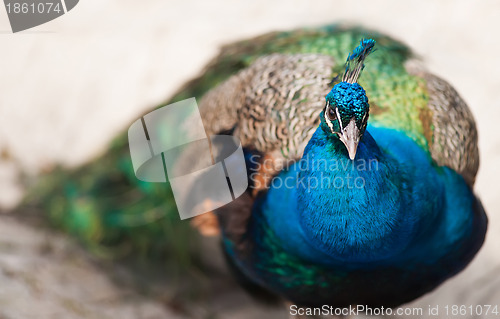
<point x="345" y="115"/>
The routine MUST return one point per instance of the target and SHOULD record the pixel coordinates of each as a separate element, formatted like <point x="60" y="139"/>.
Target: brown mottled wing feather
<point x="453" y="140"/>
<point x="272" y="105"/>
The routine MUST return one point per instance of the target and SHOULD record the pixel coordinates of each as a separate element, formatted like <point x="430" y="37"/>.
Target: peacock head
<point x="345" y="115"/>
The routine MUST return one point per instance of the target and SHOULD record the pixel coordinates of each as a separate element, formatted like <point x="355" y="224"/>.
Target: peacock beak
<point x="350" y="137"/>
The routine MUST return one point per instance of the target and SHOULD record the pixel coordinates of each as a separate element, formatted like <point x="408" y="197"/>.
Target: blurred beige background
<point x="67" y="87"/>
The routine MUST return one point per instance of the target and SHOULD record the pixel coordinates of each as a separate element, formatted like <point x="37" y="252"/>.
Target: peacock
<point x="361" y="166"/>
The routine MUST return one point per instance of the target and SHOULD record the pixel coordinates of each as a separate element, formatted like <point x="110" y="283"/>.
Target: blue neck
<point x="357" y="211"/>
<point x="364" y="212"/>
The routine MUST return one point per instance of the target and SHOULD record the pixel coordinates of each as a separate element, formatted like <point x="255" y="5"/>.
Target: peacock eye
<point x="332" y="116"/>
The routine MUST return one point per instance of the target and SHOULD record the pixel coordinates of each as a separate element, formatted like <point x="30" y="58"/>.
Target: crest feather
<point x="355" y="61"/>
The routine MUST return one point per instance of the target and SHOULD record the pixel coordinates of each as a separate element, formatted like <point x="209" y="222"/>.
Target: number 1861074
<point x="476" y="310"/>
<point x="23" y="7"/>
